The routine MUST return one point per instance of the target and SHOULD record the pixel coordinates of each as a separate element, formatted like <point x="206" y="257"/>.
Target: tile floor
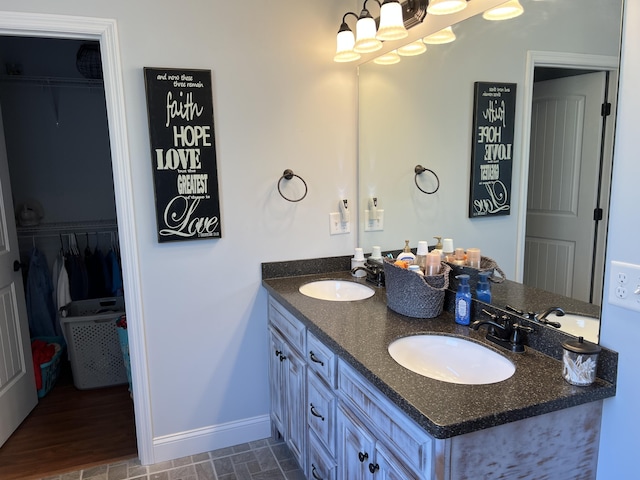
<point x="260" y="460"/>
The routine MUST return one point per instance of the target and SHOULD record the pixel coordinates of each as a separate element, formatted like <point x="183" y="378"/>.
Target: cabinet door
<point x="277" y="382"/>
<point x="355" y="448"/>
<point x="296" y="373"/>
<point x="387" y="467"/>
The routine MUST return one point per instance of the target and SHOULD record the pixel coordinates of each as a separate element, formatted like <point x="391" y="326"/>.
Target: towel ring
<point x="288" y="175"/>
<point x="419" y="170"/>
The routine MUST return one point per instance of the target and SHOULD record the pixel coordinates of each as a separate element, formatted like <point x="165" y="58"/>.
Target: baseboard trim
<point x="192" y="442"/>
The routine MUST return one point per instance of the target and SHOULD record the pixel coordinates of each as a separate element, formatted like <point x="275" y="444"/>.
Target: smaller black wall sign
<point x="183" y="153"/>
<point x="492" y="149"/>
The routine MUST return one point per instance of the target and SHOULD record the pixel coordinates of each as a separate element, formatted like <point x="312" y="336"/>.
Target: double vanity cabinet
<point x="347" y="411"/>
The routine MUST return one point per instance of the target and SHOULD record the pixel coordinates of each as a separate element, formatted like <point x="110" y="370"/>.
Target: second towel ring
<point x="288" y="175"/>
<point x="419" y="170"/>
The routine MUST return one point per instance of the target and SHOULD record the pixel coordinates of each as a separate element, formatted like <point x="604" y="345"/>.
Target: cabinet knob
<point x="374" y="468"/>
<point x="363" y="456"/>
<point x="278" y="353"/>
<point x="282" y="358"/>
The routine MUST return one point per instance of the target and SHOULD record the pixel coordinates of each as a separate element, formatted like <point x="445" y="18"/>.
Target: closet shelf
<point x="68" y="227"/>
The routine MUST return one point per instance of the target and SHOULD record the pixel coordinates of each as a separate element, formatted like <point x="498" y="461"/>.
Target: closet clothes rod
<point x="52" y="81"/>
<point x="68" y="227"/>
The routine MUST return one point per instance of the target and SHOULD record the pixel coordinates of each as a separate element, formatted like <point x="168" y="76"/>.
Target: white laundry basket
<point x="92" y="341"/>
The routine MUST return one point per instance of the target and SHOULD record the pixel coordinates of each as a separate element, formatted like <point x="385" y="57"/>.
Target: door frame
<point x="555" y="60"/>
<point x="105" y="31"/>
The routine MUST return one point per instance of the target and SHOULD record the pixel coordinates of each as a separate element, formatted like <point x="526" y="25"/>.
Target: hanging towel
<point x="39" y="296"/>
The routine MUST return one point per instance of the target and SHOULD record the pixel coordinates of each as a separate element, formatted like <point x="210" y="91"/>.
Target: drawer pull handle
<point x="373" y="468"/>
<point x="314" y="413"/>
<point x="313" y="472"/>
<point x="362" y="456"/>
<point x="315" y="359"/>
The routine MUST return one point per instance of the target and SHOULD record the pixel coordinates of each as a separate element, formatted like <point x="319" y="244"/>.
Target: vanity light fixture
<point x="445" y="35"/>
<point x="411" y="49"/>
<point x="389" y="58"/>
<point x="391" y="21"/>
<point x="345" y="42"/>
<point x="510" y="9"/>
<point x="366" y="40"/>
<point x="446" y="7"/>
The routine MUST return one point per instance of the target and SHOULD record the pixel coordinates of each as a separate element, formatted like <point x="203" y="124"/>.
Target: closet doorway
<point x="61" y="177"/>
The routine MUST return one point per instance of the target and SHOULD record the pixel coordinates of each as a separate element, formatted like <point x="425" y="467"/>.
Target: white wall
<point x="621" y="420"/>
<point x="419" y="112"/>
<point x="280" y="102"/>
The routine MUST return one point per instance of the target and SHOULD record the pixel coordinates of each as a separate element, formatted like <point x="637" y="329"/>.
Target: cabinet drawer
<point x="321" y="411"/>
<point x="406" y="439"/>
<point x="289" y="327"/>
<point x="322" y="465"/>
<point x="321" y="360"/>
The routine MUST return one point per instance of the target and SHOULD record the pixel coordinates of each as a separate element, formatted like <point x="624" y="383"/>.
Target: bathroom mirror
<point x="420" y="112"/>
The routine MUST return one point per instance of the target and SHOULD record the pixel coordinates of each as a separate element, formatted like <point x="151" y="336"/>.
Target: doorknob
<point x="17" y="265"/>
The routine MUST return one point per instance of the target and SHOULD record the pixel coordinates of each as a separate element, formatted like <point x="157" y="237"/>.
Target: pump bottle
<point x="463" y="300"/>
<point x="483" y="289"/>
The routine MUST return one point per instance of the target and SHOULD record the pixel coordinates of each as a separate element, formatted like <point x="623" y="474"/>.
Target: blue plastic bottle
<point x="463" y="300"/>
<point x="483" y="290"/>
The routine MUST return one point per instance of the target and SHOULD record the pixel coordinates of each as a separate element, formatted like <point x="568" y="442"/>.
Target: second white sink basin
<point x="579" y="325"/>
<point x="451" y="359"/>
<point x="336" y="290"/>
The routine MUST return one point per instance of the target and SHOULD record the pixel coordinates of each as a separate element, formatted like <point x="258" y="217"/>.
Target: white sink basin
<point x="336" y="290"/>
<point x="579" y="325"/>
<point x="451" y="359"/>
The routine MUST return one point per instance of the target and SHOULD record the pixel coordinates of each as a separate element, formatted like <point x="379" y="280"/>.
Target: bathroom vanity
<point x="347" y="410"/>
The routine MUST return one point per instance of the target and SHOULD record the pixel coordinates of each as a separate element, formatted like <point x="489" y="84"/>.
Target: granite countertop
<point x="359" y="332"/>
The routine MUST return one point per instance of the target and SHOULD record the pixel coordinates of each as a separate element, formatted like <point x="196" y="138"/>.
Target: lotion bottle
<point x="406" y="254"/>
<point x="463" y="300"/>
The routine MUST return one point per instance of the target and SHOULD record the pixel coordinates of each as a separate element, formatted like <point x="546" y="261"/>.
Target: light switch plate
<point x="336" y="227"/>
<point x="624" y="285"/>
<point x="374" y="225"/>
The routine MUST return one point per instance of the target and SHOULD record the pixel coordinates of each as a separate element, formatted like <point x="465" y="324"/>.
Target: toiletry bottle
<point x="447" y="250"/>
<point x="463" y="300"/>
<point x="421" y="255"/>
<point x="358" y="261"/>
<point x="483" y="290"/>
<point x="406" y="254"/>
<point x="473" y="257"/>
<point x="438" y="247"/>
<point x="433" y="263"/>
<point x="415" y="268"/>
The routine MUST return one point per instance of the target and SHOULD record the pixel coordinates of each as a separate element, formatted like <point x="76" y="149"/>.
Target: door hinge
<point x="605" y="111"/>
<point x="597" y="214"/>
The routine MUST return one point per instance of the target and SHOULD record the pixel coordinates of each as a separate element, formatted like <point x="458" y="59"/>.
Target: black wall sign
<point x="492" y="149"/>
<point x="183" y="153"/>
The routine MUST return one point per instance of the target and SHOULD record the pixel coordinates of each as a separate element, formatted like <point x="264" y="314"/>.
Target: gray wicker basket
<point x="414" y="295"/>
<point x="487" y="264"/>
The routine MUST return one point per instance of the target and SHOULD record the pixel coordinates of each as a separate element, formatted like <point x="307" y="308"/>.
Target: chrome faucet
<point x="503" y="331"/>
<point x="542" y="317"/>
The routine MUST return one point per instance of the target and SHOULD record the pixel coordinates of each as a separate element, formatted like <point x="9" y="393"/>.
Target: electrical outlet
<point x="336" y="226"/>
<point x="374" y="225"/>
<point x="624" y="285"/>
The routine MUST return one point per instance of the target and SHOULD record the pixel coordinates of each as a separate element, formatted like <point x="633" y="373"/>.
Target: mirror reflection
<point x="420" y="112"/>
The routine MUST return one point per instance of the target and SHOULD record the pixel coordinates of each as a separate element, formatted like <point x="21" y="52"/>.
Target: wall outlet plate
<point x="336" y="226"/>
<point x="374" y="225"/>
<point x="624" y="285"/>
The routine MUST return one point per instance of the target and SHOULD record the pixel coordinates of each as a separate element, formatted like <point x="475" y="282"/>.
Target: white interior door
<point x="17" y="385"/>
<point x="564" y="171"/>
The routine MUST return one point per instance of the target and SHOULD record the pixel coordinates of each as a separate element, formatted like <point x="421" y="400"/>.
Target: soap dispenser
<point x="483" y="289"/>
<point x="406" y="254"/>
<point x="463" y="300"/>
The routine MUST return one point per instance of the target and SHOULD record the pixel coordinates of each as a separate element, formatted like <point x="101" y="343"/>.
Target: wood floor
<point x="70" y="430"/>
